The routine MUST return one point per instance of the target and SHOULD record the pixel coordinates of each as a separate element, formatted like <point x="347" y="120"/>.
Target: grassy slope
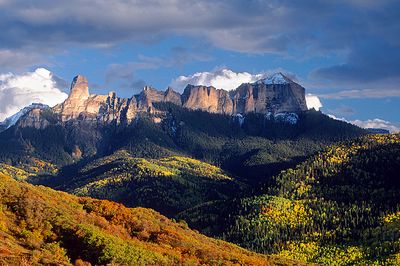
<point x="40" y="225"/>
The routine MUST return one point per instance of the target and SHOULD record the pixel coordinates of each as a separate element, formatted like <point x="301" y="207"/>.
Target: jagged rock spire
<point x="79" y="88"/>
<point x="75" y="103"/>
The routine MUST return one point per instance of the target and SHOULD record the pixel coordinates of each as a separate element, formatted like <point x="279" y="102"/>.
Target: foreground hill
<point x="41" y="226"/>
<point x="168" y="185"/>
<point x="340" y="207"/>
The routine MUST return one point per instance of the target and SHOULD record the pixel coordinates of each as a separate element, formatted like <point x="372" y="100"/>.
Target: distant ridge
<point x="272" y="95"/>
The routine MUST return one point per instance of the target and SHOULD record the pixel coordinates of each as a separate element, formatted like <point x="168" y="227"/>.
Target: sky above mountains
<point x="346" y="53"/>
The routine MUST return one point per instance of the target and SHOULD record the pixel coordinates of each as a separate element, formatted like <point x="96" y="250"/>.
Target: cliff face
<point x="102" y="108"/>
<point x="76" y="102"/>
<point x="261" y="97"/>
<point x="276" y="94"/>
<point x="207" y="99"/>
<point x="149" y="95"/>
<point x="34" y="118"/>
<point x="82" y="105"/>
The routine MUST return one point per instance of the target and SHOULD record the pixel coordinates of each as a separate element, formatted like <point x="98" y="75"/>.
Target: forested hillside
<point x="219" y="174"/>
<point x="340" y="207"/>
<point x="168" y="185"/>
<point x="41" y="226"/>
<point x="253" y="150"/>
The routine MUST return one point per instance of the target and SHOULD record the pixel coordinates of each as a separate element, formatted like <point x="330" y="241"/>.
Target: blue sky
<point x="345" y="52"/>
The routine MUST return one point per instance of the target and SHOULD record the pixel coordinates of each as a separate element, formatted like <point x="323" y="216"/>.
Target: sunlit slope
<point x="168" y="185"/>
<point x="42" y="226"/>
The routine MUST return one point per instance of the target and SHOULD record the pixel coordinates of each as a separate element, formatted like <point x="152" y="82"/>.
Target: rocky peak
<point x="172" y="96"/>
<point x="277" y="78"/>
<point x="274" y="94"/>
<point x="76" y="101"/>
<point x="149" y="95"/>
<point x="12" y="120"/>
<point x="79" y="88"/>
<point x="112" y="95"/>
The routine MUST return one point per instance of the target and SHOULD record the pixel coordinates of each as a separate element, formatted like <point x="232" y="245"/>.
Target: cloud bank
<point x="362" y="94"/>
<point x="18" y="91"/>
<point x="371" y="123"/>
<point x="377" y="123"/>
<point x="329" y="28"/>
<point x="221" y="79"/>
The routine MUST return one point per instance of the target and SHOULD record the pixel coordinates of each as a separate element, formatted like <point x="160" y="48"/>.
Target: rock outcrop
<point x="12" y="120"/>
<point x="101" y="108"/>
<point x="76" y="102"/>
<point x="149" y="95"/>
<point x="82" y="105"/>
<point x="35" y="118"/>
<point x="273" y="95"/>
<point x="207" y="99"/>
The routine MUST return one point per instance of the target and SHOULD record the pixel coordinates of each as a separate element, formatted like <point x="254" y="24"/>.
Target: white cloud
<point x="18" y="91"/>
<point x="376" y="123"/>
<point x="313" y="101"/>
<point x="371" y="123"/>
<point x="221" y="79"/>
<point x="362" y="94"/>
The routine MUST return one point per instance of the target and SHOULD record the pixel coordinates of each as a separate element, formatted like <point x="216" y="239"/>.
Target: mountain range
<point x="251" y="166"/>
<point x="202" y="122"/>
<point x="270" y="96"/>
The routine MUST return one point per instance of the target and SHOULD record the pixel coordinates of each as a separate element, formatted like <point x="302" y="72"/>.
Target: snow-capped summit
<point x="277" y="78"/>
<point x="12" y="120"/>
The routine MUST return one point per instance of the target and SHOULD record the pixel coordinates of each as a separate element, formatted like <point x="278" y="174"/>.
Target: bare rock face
<point x="275" y="94"/>
<point x="79" y="88"/>
<point x="92" y="107"/>
<point x="34" y="118"/>
<point x="172" y="96"/>
<point x="76" y="101"/>
<point x="109" y="108"/>
<point x="120" y="110"/>
<point x="149" y="95"/>
<point x="207" y="99"/>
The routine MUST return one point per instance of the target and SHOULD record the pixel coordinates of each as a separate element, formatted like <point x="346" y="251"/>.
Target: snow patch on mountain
<point x="12" y="120"/>
<point x="277" y="78"/>
<point x="289" y="118"/>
